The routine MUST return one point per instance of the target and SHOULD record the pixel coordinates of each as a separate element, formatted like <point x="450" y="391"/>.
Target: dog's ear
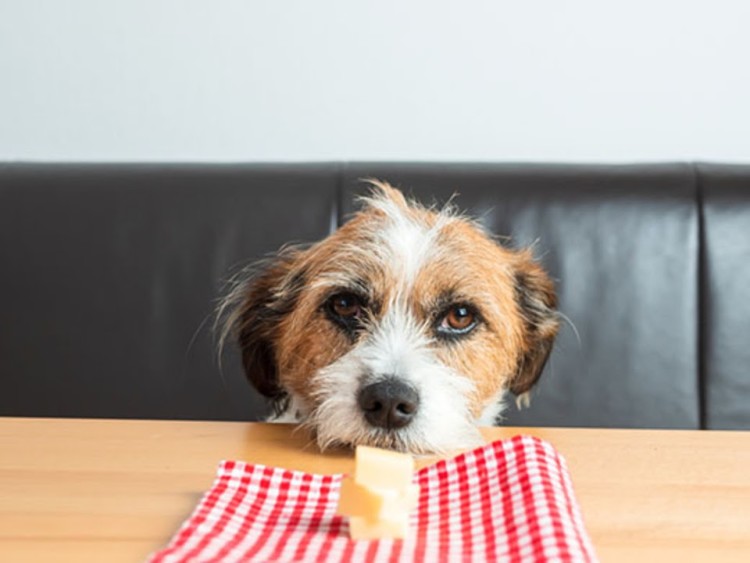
<point x="537" y="302"/>
<point x="258" y="305"/>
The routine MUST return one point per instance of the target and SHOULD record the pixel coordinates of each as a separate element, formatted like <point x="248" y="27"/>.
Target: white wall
<point x="352" y="79"/>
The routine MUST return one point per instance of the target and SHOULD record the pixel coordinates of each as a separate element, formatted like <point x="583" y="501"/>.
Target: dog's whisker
<point x="572" y="325"/>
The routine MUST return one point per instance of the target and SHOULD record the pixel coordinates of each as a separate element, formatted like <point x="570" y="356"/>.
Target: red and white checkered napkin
<point x="510" y="500"/>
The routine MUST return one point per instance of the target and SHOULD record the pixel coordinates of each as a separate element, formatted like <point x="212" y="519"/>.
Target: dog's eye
<point x="458" y="319"/>
<point x="346" y="310"/>
<point x="346" y="305"/>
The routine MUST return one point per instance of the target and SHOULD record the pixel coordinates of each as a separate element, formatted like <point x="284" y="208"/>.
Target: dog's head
<point x="403" y="329"/>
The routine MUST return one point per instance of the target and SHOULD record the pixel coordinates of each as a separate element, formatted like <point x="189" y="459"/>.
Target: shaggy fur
<point x="407" y="267"/>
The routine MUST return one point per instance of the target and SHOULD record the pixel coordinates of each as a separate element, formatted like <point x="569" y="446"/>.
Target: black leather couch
<point x="110" y="274"/>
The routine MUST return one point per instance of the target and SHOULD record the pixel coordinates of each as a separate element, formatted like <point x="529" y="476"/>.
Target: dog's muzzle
<point x="389" y="403"/>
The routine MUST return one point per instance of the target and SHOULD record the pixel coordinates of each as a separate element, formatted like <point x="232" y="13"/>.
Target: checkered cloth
<point x="510" y="500"/>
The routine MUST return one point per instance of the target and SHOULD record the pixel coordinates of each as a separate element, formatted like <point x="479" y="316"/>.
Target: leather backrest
<point x="111" y="274"/>
<point x="726" y="295"/>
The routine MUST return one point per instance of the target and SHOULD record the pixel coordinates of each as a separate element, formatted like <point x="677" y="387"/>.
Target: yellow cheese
<point x="397" y="502"/>
<point x="380" y="496"/>
<point x="364" y="529"/>
<point x="375" y="504"/>
<point x="383" y="469"/>
<point x="356" y="500"/>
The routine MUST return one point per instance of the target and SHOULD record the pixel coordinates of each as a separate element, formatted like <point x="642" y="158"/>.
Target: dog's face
<point x="403" y="329"/>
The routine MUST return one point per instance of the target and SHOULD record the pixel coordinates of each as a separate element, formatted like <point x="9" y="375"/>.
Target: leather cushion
<point x="726" y="283"/>
<point x="111" y="273"/>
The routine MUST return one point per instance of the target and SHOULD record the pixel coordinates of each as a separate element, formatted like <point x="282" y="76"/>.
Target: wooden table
<point x="113" y="490"/>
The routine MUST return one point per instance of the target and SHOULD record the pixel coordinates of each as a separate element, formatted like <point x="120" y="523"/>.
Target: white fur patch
<point x="493" y="410"/>
<point x="398" y="347"/>
<point x="406" y="244"/>
<point x="409" y="246"/>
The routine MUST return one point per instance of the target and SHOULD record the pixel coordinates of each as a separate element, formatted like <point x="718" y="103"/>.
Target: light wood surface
<point x="108" y="490"/>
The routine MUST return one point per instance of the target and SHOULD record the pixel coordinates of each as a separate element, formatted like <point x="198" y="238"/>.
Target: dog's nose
<point x="390" y="403"/>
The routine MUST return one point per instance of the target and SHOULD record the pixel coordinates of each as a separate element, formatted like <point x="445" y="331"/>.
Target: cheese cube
<point x="398" y="502"/>
<point x="380" y="496"/>
<point x="364" y="529"/>
<point x="383" y="469"/>
<point x="375" y="504"/>
<point x="356" y="500"/>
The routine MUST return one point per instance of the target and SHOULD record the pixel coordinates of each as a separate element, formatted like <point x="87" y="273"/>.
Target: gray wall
<point x="420" y="79"/>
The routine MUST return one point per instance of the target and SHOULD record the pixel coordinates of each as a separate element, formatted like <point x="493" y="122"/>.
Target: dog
<point x="404" y="329"/>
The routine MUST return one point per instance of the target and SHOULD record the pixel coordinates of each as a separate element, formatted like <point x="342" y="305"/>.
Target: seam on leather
<point x="702" y="307"/>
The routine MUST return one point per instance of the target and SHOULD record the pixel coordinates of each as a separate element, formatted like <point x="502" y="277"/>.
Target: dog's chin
<point x="403" y="440"/>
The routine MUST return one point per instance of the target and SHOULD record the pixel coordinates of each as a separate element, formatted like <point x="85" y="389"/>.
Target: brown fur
<point x="286" y="338"/>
